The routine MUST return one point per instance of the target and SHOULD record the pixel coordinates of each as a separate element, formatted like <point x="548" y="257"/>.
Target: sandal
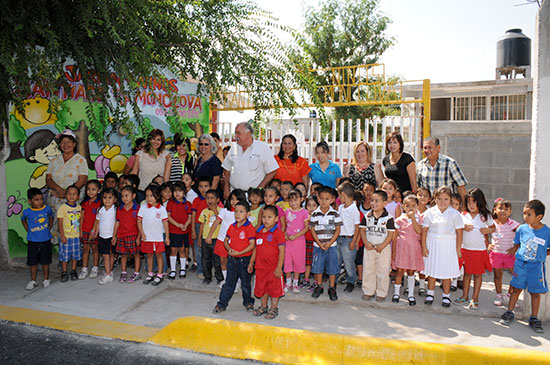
<point x="421" y="292"/>
<point x="429" y="300"/>
<point x="260" y="311"/>
<point x="272" y="313"/>
<point x="473" y="305"/>
<point x="218" y="309"/>
<point x="149" y="279"/>
<point x="460" y="301"/>
<point x="412" y="301"/>
<point x="395" y="298"/>
<point x="446" y="302"/>
<point x="249" y="307"/>
<point x="172" y="275"/>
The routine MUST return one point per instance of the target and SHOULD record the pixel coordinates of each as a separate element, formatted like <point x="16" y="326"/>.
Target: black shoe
<point x="446" y="302"/>
<point x="332" y="294"/>
<point x="429" y="300"/>
<point x="317" y="291"/>
<point x="157" y="280"/>
<point x="74" y="276"/>
<point x="412" y="301"/>
<point x="507" y="317"/>
<point x="395" y="298"/>
<point x="206" y="281"/>
<point x="172" y="275"/>
<point x="453" y="288"/>
<point x="349" y="288"/>
<point x="359" y="284"/>
<point x="64" y="277"/>
<point x="536" y="325"/>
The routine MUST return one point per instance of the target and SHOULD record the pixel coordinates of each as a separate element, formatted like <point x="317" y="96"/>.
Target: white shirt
<point x="228" y="218"/>
<point x="442" y="224"/>
<point x="153" y="218"/>
<point x="248" y="168"/>
<point x="191" y="196"/>
<point x="107" y="219"/>
<point x="474" y="240"/>
<point x="350" y="217"/>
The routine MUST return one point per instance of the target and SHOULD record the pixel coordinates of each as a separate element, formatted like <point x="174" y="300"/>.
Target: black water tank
<point x="513" y="49"/>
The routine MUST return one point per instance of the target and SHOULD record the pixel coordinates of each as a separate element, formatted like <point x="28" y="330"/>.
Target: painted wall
<point x="32" y="136"/>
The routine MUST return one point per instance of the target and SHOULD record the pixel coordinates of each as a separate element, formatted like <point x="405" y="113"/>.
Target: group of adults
<point x="252" y="164"/>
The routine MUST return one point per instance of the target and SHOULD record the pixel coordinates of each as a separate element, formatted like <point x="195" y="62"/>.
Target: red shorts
<point x="475" y="262"/>
<point x="502" y="260"/>
<point x="268" y="283"/>
<point x="86" y="240"/>
<point x="219" y="249"/>
<point x="152" y="247"/>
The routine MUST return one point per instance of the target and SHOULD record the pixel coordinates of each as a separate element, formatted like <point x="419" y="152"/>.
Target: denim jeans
<point x="237" y="268"/>
<point x="348" y="257"/>
<point x="209" y="260"/>
<point x="198" y="251"/>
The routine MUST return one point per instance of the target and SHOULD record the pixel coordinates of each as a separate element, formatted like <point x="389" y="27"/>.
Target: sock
<point x="431" y="292"/>
<point x="183" y="263"/>
<point x="422" y="284"/>
<point x="224" y="272"/>
<point x="454" y="282"/>
<point x="173" y="263"/>
<point x="448" y="295"/>
<point x="288" y="282"/>
<point x="410" y="284"/>
<point x="295" y="282"/>
<point x="123" y="272"/>
<point x="84" y="269"/>
<point x="397" y="288"/>
<point x="95" y="268"/>
<point x="151" y="273"/>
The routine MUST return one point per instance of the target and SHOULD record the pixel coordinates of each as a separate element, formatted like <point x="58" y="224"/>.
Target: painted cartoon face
<point x="46" y="154"/>
<point x="36" y="113"/>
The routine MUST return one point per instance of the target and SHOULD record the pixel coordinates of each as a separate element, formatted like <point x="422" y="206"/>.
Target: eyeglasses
<point x="204" y="144"/>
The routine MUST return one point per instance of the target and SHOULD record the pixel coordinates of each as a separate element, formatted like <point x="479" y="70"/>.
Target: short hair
<point x="111" y="175"/>
<point x="346" y="188"/>
<point x="32" y="192"/>
<point x="397" y="136"/>
<point x="110" y="191"/>
<point x="133" y="179"/>
<point x="129" y="188"/>
<point x="426" y="190"/>
<point x="288" y="182"/>
<point x="182" y="140"/>
<point x="215" y="136"/>
<point x="300" y="183"/>
<point x="537" y="206"/>
<point x="410" y="197"/>
<point x="391" y="182"/>
<point x="312" y="198"/>
<point x="273" y="209"/>
<point x="246" y="126"/>
<point x="275" y="180"/>
<point x="274" y="188"/>
<point x="371" y="183"/>
<point x="295" y="193"/>
<point x="382" y="194"/>
<point x="443" y="190"/>
<point x="324" y="146"/>
<point x="136" y="144"/>
<point x="367" y="147"/>
<point x="243" y="204"/>
<point x="213" y="192"/>
<point x="256" y="191"/>
<point x="208" y="137"/>
<point x="315" y="185"/>
<point x="178" y="185"/>
<point x="432" y="139"/>
<point x="203" y="179"/>
<point x="328" y="190"/>
<point x="73" y="186"/>
<point x="155" y="191"/>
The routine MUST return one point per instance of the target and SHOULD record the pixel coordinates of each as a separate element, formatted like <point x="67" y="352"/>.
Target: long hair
<point x="154" y="133"/>
<point x="481" y="203"/>
<point x="294" y="155"/>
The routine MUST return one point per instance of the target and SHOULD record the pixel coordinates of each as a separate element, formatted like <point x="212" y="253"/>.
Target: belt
<point x="347" y="236"/>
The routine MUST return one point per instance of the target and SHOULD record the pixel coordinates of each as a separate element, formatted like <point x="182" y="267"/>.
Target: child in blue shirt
<point x="38" y="220"/>
<point x="531" y="245"/>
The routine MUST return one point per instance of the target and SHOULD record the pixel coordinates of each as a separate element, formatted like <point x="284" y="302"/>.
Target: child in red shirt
<point x="90" y="206"/>
<point x="268" y="258"/>
<point x="239" y="243"/>
<point x="126" y="233"/>
<point x="198" y="205"/>
<point x="180" y="221"/>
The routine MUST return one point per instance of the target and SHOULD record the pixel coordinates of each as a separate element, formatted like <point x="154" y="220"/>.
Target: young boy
<point x="531" y="245"/>
<point x="37" y="221"/>
<point x="239" y="243"/>
<point x="268" y="259"/>
<point x="68" y="220"/>
<point x="367" y="191"/>
<point x="325" y="226"/>
<point x="376" y="230"/>
<point x="286" y="187"/>
<point x="207" y="218"/>
<point x="199" y="204"/>
<point x="255" y="197"/>
<point x="180" y="221"/>
<point x="349" y="234"/>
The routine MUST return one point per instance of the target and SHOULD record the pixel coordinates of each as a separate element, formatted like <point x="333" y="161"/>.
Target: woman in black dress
<point x="398" y="165"/>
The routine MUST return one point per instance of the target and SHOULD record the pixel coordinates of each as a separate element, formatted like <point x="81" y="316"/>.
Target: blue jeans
<point x="325" y="262"/>
<point x="237" y="268"/>
<point x="198" y="251"/>
<point x="348" y="257"/>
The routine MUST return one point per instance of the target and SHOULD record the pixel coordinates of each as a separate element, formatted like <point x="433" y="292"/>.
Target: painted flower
<point x="14" y="207"/>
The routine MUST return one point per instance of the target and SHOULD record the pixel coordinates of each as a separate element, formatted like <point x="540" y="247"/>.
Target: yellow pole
<point x="426" y="100"/>
<point x="210" y="113"/>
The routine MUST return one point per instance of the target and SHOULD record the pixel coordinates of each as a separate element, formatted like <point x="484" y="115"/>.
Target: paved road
<point x="24" y="344"/>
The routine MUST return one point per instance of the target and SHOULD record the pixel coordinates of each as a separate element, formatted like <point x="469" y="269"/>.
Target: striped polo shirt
<point x="325" y="225"/>
<point x="377" y="228"/>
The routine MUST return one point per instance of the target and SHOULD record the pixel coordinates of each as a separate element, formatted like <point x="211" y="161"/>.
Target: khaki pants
<point x="376" y="272"/>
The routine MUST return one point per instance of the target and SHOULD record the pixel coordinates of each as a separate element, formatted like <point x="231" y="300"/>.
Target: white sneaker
<point x="31" y="285"/>
<point x="83" y="273"/>
<point x="295" y="289"/>
<point x="221" y="283"/>
<point x="46" y="283"/>
<point x="93" y="273"/>
<point x="106" y="279"/>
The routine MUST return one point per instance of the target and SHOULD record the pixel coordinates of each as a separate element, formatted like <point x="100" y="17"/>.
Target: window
<point x="469" y="108"/>
<point x="461" y="109"/>
<point x="516" y="107"/>
<point x="508" y="107"/>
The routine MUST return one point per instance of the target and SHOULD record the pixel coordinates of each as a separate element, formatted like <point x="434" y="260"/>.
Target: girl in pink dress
<point x="297" y="225"/>
<point x="407" y="251"/>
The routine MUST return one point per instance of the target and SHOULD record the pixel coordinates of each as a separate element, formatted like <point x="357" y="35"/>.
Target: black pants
<point x="210" y="259"/>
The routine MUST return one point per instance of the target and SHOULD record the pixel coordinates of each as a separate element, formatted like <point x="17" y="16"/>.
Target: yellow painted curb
<point x="90" y="326"/>
<point x="291" y="346"/>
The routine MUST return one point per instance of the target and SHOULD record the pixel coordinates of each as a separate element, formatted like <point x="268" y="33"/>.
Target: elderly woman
<point x="181" y="162"/>
<point x="362" y="169"/>
<point x="65" y="170"/>
<point x="208" y="163"/>
<point x="291" y="166"/>
<point x="152" y="161"/>
<point x="398" y="165"/>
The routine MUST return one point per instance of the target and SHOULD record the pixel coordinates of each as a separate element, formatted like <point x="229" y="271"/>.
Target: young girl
<point x="441" y="242"/>
<point x="191" y="194"/>
<point x="390" y="187"/>
<point x="255" y="197"/>
<point x="104" y="228"/>
<point x="424" y="200"/>
<point x="311" y="205"/>
<point x="271" y="196"/>
<point x="503" y="240"/>
<point x="477" y="223"/>
<point x="180" y="220"/>
<point x="90" y="205"/>
<point x="165" y="194"/>
<point x="297" y="219"/>
<point x="301" y="187"/>
<point x="407" y="249"/>
<point x="126" y="233"/>
<point x="226" y="217"/>
<point x="456" y="202"/>
<point x="152" y="225"/>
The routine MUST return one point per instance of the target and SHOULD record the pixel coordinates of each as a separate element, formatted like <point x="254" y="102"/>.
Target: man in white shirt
<point x="251" y="164"/>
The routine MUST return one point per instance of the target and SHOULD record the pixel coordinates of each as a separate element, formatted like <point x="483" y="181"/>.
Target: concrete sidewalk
<point x="158" y="306"/>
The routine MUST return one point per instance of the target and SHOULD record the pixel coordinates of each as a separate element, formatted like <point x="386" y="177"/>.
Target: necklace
<point x="287" y="169"/>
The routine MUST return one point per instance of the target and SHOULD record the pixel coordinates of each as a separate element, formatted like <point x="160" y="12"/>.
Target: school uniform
<point x="127" y="230"/>
<point x="267" y="259"/>
<point x="153" y="218"/>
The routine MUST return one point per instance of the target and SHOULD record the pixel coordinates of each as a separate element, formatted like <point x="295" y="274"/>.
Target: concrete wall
<point x="494" y="156"/>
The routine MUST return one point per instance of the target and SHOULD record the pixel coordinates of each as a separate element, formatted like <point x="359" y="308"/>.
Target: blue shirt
<point x="327" y="177"/>
<point x="533" y="243"/>
<point x="38" y="221"/>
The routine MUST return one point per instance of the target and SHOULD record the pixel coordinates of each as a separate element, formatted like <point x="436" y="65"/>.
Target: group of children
<point x="284" y="236"/>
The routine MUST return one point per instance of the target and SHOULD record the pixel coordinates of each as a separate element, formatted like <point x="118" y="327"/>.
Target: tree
<point x="116" y="45"/>
<point x="346" y="33"/>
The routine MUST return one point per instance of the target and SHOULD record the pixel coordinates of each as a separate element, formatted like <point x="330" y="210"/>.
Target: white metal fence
<point x="342" y="140"/>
